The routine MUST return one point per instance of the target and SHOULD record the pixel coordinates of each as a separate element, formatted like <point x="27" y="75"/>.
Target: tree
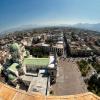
<point x="84" y="67"/>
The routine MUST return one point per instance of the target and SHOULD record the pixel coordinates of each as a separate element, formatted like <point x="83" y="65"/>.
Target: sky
<point x="16" y="13"/>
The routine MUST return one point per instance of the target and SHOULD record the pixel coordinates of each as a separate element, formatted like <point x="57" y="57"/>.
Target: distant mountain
<point x="94" y="27"/>
<point x="23" y="27"/>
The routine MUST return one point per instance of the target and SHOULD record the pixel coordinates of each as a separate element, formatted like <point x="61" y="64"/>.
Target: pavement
<point x="38" y="84"/>
<point x="69" y="80"/>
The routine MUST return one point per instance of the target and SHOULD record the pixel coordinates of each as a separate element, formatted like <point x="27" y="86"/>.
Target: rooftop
<point x="36" y="61"/>
<point x="13" y="67"/>
<point x="78" y="46"/>
<point x="60" y="46"/>
<point x="38" y="84"/>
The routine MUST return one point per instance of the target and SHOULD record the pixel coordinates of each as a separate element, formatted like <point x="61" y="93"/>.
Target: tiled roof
<point x="9" y="93"/>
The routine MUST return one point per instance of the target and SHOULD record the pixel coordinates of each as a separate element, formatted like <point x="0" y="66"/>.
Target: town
<point x="52" y="61"/>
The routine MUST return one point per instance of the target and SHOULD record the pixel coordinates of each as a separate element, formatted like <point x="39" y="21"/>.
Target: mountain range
<point x="94" y="27"/>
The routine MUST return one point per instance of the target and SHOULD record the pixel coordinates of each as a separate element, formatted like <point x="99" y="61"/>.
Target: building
<point x="55" y="48"/>
<point x="29" y="71"/>
<point x="3" y="55"/>
<point x="79" y="49"/>
<point x="32" y="66"/>
<point x="26" y="41"/>
<point x="54" y="37"/>
<point x="39" y="73"/>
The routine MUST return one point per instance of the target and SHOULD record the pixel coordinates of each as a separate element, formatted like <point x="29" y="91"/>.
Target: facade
<point x="3" y="55"/>
<point x="58" y="47"/>
<point x="77" y="49"/>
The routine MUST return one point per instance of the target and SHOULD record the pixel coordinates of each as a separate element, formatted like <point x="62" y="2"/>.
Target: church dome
<point x="14" y="47"/>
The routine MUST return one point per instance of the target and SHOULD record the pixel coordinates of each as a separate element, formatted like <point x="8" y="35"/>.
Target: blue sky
<point x="15" y="13"/>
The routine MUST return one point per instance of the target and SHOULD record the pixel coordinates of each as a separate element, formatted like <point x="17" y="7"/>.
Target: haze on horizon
<point x="16" y="13"/>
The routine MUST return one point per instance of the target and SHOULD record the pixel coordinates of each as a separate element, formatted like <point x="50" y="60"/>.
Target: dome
<point x="14" y="47"/>
<point x="11" y="77"/>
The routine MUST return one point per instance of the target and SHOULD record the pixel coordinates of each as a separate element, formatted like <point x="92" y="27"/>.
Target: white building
<point x="58" y="47"/>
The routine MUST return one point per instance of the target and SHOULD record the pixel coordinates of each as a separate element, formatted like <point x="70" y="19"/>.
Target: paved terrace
<point x="38" y="84"/>
<point x="69" y="80"/>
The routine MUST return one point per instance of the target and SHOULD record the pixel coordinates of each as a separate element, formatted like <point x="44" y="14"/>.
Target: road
<point x="69" y="80"/>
